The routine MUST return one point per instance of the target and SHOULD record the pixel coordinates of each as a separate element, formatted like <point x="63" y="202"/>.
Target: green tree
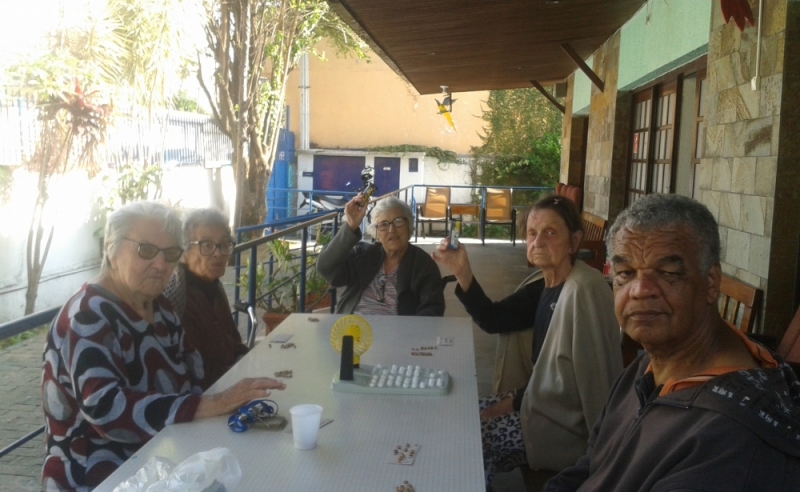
<point x="156" y="50"/>
<point x="515" y="120"/>
<point x="522" y="142"/>
<point x="255" y="44"/>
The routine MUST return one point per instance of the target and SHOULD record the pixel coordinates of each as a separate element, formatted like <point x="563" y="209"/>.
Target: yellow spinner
<point x="359" y="329"/>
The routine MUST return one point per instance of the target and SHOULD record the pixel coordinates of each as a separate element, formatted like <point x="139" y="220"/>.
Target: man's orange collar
<point x="759" y="353"/>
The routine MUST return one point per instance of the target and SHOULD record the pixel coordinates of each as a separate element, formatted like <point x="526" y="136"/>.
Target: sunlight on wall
<point x="15" y="215"/>
<point x="69" y="208"/>
<point x="23" y="25"/>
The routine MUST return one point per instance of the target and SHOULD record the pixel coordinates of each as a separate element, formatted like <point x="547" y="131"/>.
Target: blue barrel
<point x="278" y="201"/>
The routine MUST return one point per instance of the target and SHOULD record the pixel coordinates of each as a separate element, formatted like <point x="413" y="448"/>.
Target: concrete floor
<point x="498" y="266"/>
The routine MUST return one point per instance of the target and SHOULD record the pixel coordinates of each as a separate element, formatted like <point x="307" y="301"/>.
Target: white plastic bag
<point x="216" y="470"/>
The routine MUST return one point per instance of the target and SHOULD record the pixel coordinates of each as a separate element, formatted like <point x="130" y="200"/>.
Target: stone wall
<point x="737" y="174"/>
<point x="574" y="130"/>
<point x="602" y="117"/>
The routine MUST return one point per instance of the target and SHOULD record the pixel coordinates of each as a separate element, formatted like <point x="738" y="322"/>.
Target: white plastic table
<point x="352" y="451"/>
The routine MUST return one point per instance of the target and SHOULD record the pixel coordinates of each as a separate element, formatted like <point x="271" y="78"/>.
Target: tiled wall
<point x="602" y="116"/>
<point x="737" y="175"/>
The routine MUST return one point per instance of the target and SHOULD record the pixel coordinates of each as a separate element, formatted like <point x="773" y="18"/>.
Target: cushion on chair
<point x="574" y="193"/>
<point x="436" y="202"/>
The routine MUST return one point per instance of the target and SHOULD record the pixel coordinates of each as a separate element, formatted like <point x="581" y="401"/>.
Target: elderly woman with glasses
<point x="390" y="276"/>
<point x="117" y="368"/>
<point x="198" y="296"/>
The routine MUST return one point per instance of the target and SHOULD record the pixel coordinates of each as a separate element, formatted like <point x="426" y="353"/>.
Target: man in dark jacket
<point x="703" y="408"/>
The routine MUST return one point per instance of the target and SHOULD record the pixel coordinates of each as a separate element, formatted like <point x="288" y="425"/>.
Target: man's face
<point x="661" y="298"/>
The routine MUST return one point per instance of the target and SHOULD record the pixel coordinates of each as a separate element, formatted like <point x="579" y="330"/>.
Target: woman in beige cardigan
<point x="576" y="344"/>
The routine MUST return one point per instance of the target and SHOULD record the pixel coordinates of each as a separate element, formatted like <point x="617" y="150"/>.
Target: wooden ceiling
<point x="471" y="45"/>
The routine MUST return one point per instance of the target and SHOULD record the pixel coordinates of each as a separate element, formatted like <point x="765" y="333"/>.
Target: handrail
<point x="29" y="322"/>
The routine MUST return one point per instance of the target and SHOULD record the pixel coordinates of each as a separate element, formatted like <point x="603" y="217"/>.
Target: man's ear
<point x="714" y="278"/>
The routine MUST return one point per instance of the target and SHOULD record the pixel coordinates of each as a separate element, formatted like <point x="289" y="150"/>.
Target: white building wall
<point x="75" y="252"/>
<point x="74" y="255"/>
<point x="430" y="172"/>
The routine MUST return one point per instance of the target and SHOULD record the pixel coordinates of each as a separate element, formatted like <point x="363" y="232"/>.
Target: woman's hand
<point x="456" y="261"/>
<point x="354" y="211"/>
<point x="502" y="407"/>
<point x="237" y="395"/>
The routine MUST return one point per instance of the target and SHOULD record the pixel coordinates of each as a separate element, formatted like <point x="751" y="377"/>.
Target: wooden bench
<point x="739" y="303"/>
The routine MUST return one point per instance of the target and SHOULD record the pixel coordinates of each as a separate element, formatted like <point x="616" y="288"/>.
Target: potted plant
<point x="278" y="294"/>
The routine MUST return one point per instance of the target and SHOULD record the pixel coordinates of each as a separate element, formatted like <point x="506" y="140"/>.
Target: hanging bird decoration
<point x="740" y="11"/>
<point x="446" y="106"/>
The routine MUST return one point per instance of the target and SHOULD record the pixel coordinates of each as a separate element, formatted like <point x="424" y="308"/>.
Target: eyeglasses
<point x="207" y="248"/>
<point x="398" y="223"/>
<point x="149" y="251"/>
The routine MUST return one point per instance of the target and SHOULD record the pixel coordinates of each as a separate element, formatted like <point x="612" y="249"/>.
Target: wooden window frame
<point x="639" y="128"/>
<point x="698" y="119"/>
<point x="670" y="82"/>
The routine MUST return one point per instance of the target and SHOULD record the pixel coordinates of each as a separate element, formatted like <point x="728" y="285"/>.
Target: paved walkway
<point x="21" y="413"/>
<point x="498" y="266"/>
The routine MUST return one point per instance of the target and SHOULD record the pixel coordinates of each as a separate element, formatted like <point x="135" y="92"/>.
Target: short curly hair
<point x="657" y="210"/>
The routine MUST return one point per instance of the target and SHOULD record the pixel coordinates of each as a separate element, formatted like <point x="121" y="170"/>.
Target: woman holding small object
<point x="576" y="345"/>
<point x="117" y="368"/>
<point x="198" y="296"/>
<point x="391" y="276"/>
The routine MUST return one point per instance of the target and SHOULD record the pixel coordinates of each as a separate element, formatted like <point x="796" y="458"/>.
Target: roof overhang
<point x="471" y="45"/>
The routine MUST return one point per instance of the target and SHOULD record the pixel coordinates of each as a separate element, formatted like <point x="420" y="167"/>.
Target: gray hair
<point x="119" y="224"/>
<point x="656" y="211"/>
<point x="385" y="205"/>
<point x="200" y="217"/>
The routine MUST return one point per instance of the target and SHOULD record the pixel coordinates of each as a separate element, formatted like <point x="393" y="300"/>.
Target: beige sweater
<point x="579" y="362"/>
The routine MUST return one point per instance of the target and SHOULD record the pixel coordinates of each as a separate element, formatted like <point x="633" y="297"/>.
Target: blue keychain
<point x="265" y="411"/>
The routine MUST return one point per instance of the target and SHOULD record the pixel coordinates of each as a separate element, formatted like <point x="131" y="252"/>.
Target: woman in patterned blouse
<point x="117" y="369"/>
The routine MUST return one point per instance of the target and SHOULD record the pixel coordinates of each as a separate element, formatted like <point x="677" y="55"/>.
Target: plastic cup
<point x="305" y="425"/>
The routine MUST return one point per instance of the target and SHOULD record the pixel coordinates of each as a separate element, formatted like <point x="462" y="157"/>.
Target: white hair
<point x="385" y="205"/>
<point x="120" y="222"/>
